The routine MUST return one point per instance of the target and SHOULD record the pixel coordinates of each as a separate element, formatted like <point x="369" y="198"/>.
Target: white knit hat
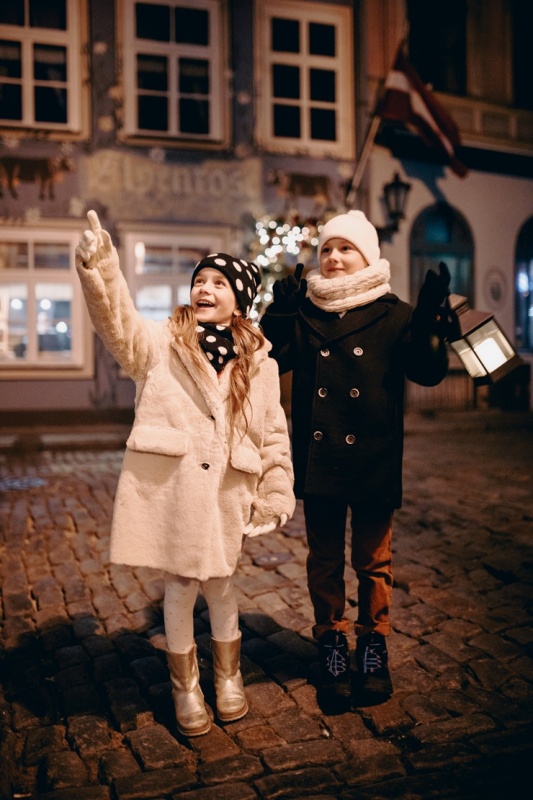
<point x="355" y="228"/>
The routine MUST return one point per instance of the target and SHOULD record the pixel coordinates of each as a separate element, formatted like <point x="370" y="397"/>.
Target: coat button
<point x="322" y="392"/>
<point x="354" y="392"/>
<point x="324" y="352"/>
<point x="358" y="351"/>
<point x="317" y="435"/>
<point x="350" y="439"/>
<point x="205" y="466"/>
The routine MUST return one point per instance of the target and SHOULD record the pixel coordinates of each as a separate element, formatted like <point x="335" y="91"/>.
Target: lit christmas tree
<point x="277" y="245"/>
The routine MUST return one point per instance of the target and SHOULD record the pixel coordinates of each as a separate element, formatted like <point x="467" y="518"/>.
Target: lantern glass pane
<point x="469" y="359"/>
<point x="491" y="346"/>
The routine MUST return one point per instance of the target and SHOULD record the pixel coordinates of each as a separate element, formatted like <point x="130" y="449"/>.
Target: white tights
<point x="180" y="597"/>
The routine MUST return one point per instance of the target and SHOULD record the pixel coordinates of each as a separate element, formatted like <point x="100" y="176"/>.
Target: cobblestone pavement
<point x="86" y="711"/>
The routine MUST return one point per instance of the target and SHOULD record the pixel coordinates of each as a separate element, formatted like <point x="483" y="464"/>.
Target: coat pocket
<point x="162" y="441"/>
<point x="246" y="460"/>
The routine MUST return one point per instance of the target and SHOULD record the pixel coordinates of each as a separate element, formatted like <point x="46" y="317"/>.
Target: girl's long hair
<point x="247" y="339"/>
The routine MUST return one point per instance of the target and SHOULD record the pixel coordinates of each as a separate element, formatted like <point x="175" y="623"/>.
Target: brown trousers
<point x="371" y="558"/>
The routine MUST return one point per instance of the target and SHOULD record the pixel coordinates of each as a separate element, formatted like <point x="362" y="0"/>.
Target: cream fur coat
<point x="186" y="490"/>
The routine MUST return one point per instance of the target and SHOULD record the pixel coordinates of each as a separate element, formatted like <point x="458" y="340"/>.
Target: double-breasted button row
<point x="318" y="435"/>
<point x="357" y="351"/>
<point x="323" y="392"/>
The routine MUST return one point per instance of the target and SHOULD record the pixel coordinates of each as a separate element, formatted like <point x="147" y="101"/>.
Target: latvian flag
<point x="406" y="99"/>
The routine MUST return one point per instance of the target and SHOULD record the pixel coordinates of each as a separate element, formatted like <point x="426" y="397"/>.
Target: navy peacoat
<point x="348" y="393"/>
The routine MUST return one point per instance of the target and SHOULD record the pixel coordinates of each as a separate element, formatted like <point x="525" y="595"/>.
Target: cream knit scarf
<point x="348" y="291"/>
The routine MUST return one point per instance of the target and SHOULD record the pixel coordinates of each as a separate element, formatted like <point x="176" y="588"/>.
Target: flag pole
<point x="363" y="160"/>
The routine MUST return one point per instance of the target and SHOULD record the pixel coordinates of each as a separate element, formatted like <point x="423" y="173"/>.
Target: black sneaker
<point x="334" y="662"/>
<point x="372" y="659"/>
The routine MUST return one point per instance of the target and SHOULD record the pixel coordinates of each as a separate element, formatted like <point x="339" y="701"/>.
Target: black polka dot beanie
<point x="244" y="276"/>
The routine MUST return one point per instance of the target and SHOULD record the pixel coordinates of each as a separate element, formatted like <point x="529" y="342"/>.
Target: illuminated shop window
<point x="524" y="288"/>
<point x="41" y="322"/>
<point x="159" y="267"/>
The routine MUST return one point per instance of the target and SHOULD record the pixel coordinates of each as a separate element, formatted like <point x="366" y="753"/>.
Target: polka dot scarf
<point x="217" y="343"/>
<point x="244" y="276"/>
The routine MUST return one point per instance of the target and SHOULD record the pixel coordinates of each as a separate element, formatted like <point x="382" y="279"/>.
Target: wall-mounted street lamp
<point x="395" y="193"/>
<point x="484" y="349"/>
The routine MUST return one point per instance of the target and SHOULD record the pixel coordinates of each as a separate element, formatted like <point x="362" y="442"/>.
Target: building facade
<point x="199" y="125"/>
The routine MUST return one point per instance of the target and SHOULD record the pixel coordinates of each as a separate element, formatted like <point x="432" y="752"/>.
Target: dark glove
<point x="433" y="291"/>
<point x="289" y="292"/>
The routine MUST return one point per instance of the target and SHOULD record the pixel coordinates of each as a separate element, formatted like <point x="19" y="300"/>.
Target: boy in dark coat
<point x="350" y="344"/>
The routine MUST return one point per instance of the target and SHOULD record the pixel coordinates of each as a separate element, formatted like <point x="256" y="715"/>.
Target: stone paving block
<point x="64" y="769"/>
<point x="241" y="767"/>
<point x="423" y="709"/>
<point x="115" y="764"/>
<point x="132" y="646"/>
<point x="438" y="756"/>
<point x="216" y="745"/>
<point x="107" y="667"/>
<point x="155" y="748"/>
<point x="386" y="717"/>
<point x="70" y="656"/>
<point x="260" y="737"/>
<point x="65" y="679"/>
<point x="370" y="762"/>
<point x="78" y="793"/>
<point x="303" y="754"/>
<point x="153" y="785"/>
<point x="89" y="735"/>
<point x="295" y="726"/>
<point x="453" y="647"/>
<point x="347" y="727"/>
<point x="129" y="708"/>
<point x="516" y="741"/>
<point x="81" y="699"/>
<point x="287" y="670"/>
<point x="268" y="699"/>
<point x="292" y="643"/>
<point x="467" y="726"/>
<point x="433" y="659"/>
<point x="455" y="702"/>
<point x="296" y="783"/>
<point x="149" y="670"/>
<point x="228" y="791"/>
<point x="260" y="624"/>
<point x="490" y="673"/>
<point x="41" y="741"/>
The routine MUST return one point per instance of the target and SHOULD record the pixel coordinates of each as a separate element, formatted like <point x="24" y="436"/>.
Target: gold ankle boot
<point x="191" y="712"/>
<point x="229" y="688"/>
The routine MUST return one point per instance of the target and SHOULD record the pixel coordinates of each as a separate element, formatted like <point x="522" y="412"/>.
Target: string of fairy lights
<point x="277" y="245"/>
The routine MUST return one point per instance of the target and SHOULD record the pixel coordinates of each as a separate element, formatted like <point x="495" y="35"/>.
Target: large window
<point x="40" y="68"/>
<point x="174" y="74"/>
<point x="159" y="266"/>
<point x="305" y="78"/>
<point x="441" y="234"/>
<point x="41" y="320"/>
<point x="474" y="49"/>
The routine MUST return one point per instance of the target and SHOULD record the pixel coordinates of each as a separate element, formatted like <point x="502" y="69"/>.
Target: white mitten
<point x="257" y="530"/>
<point x="94" y="245"/>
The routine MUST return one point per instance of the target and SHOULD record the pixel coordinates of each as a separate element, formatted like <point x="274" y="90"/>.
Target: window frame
<point x="62" y="231"/>
<point x="76" y="85"/>
<point x="216" y="53"/>
<point x="342" y="64"/>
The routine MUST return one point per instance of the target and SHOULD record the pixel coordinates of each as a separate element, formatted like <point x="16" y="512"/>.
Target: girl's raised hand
<point x="94" y="245"/>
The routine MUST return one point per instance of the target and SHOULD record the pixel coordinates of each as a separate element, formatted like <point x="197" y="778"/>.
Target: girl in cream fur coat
<point x="208" y="458"/>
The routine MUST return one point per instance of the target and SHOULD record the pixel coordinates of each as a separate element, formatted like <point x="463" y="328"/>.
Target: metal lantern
<point x="484" y="349"/>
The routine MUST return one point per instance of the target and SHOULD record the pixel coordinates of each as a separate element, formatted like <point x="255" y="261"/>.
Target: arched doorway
<point x="524" y="288"/>
<point x="440" y="233"/>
